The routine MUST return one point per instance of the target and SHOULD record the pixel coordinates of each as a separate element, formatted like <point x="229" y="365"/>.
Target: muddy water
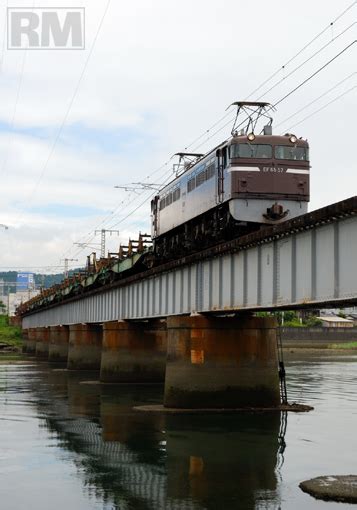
<point x="67" y="445"/>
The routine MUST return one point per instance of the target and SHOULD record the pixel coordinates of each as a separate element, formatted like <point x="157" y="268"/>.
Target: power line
<point x="279" y="70"/>
<point x="346" y="48"/>
<point x="289" y="93"/>
<point x="144" y="192"/>
<point x="317" y="99"/>
<point x="106" y="218"/>
<point x="76" y="90"/>
<point x="324" y="106"/>
<point x="12" y="122"/>
<point x="89" y="237"/>
<point x="17" y="97"/>
<point x="282" y="68"/>
<point x="308" y="59"/>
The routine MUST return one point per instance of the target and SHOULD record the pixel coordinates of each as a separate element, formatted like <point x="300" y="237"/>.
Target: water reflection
<point x="82" y="447"/>
<point x="129" y="459"/>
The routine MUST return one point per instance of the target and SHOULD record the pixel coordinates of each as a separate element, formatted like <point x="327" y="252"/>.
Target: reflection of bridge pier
<point x="237" y="453"/>
<point x="159" y="461"/>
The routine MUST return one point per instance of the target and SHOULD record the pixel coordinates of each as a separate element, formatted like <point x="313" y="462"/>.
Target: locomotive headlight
<point x="251" y="137"/>
<point x="293" y="139"/>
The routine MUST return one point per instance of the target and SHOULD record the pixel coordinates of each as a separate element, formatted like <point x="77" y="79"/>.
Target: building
<point x="336" y="322"/>
<point x="14" y="299"/>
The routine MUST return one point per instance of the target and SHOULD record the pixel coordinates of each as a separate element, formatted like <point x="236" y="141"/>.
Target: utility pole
<point x="103" y="234"/>
<point x="66" y="267"/>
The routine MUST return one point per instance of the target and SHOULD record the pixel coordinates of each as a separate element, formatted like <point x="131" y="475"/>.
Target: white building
<point x="14" y="299"/>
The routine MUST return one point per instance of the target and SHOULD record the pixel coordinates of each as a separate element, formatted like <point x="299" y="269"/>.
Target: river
<point x="68" y="443"/>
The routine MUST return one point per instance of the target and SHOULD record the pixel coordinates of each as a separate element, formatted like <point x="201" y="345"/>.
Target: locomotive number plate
<point x="274" y="169"/>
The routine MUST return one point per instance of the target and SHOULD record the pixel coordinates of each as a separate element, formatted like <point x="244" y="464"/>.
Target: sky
<point x="156" y="77"/>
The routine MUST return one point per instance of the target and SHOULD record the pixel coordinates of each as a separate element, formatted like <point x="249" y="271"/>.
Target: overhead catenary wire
<point x="321" y="68"/>
<point x="17" y="97"/>
<point x="317" y="99"/>
<point x="86" y="239"/>
<point x="132" y="211"/>
<point x="296" y="55"/>
<point x="69" y="108"/>
<point x="340" y="96"/>
<point x="301" y="84"/>
<point x="280" y="69"/>
<point x="343" y="32"/>
<point x="13" y="116"/>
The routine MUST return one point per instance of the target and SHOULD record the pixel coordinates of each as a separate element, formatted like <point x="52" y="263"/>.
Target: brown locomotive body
<point x="283" y="168"/>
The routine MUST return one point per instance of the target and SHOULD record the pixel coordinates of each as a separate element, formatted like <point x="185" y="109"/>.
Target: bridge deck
<point x="306" y="262"/>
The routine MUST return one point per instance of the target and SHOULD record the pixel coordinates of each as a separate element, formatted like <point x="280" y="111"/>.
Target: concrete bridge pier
<point x="25" y="339"/>
<point x="134" y="352"/>
<point x="58" y="344"/>
<point x="84" y="347"/>
<point x="31" y="341"/>
<point x="221" y="362"/>
<point x="42" y="342"/>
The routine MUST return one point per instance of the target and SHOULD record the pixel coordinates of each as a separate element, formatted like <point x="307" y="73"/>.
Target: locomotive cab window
<point x="248" y="150"/>
<point x="293" y="153"/>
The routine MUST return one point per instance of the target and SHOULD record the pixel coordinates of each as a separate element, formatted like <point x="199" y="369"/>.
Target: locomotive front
<point x="269" y="177"/>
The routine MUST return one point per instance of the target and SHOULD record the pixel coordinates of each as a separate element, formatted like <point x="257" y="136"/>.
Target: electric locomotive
<point x="249" y="181"/>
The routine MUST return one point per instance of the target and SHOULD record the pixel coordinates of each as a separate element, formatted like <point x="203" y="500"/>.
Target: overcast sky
<point x="160" y="74"/>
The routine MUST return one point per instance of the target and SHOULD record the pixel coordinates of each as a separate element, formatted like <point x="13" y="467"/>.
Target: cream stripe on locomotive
<point x="244" y="169"/>
<point x="296" y="171"/>
<point x="256" y="169"/>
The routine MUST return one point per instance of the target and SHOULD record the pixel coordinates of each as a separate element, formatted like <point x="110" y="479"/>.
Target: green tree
<point x="2" y="308"/>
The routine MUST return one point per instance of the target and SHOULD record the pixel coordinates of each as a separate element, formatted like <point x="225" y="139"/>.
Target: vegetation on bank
<point x="347" y="345"/>
<point x="9" y="335"/>
<point x="291" y="319"/>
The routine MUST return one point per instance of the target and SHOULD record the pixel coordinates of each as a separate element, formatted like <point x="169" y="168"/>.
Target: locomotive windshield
<point x="247" y="150"/>
<point x="295" y="153"/>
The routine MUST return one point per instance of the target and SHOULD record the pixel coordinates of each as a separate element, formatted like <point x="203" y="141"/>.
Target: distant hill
<point x="41" y="280"/>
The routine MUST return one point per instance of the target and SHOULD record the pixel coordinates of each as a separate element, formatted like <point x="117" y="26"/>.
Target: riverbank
<point x="10" y="336"/>
<point x="319" y="339"/>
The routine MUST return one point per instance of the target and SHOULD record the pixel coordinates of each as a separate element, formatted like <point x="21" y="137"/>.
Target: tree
<point x="2" y="308"/>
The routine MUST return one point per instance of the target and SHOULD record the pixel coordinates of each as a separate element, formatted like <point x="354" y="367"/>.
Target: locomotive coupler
<point x="276" y="212"/>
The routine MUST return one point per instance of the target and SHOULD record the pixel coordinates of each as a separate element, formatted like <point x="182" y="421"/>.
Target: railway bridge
<point x="193" y="323"/>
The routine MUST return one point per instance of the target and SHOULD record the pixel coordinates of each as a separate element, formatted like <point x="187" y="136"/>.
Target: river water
<point x="68" y="444"/>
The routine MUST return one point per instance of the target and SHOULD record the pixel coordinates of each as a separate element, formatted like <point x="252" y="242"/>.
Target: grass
<point x="10" y="335"/>
<point x="347" y="345"/>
